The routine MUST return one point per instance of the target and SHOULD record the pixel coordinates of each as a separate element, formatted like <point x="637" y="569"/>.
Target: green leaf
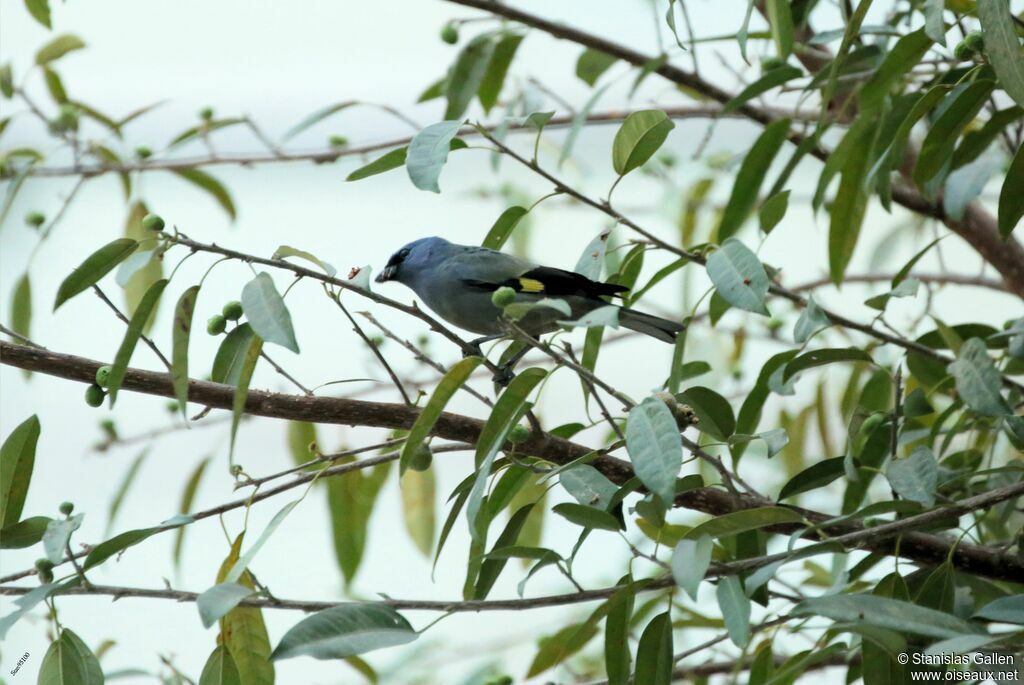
<point x="58" y="47"/>
<point x="739" y="276"/>
<point x="69" y="661"/>
<point x="904" y="56"/>
<point x="343" y="631"/>
<point x="492" y="567"/>
<point x="814" y="358"/>
<point x="617" y="657"/>
<point x="506" y="413"/>
<point x="220" y="669"/>
<point x="587" y="517"/>
<point x="592" y="258"/>
<point x="17" y="459"/>
<point x="497" y="68"/>
<point x="316" y="117"/>
<point x="267" y="313"/>
<point x="588" y="486"/>
<point x="556" y="648"/>
<point x="915" y="477"/>
<point x="467" y="74"/>
<point x="147" y="272"/>
<point x="690" y="561"/>
<point x="24" y="533"/>
<point x="592" y="63"/>
<point x="25" y="604"/>
<point x="215" y="603"/>
<point x="934" y="26"/>
<point x="386" y="162"/>
<point x="21" y="307"/>
<point x="1011" y="200"/>
<point x="977" y="380"/>
<point x="428" y="153"/>
<point x="96" y="266"/>
<point x="418" y="507"/>
<point x="503" y="227"/>
<point x="940" y="141"/>
<point x="771" y="79"/>
<point x="227" y="364"/>
<point x="454" y="379"/>
<point x="351" y="499"/>
<point x="737" y="522"/>
<point x="846" y="215"/>
<point x="713" y="411"/>
<point x="812" y="319"/>
<point x="182" y="329"/>
<point x="1002" y="46"/>
<point x="117" y="544"/>
<point x="639" y="137"/>
<point x="655" y="447"/>
<point x="903" y="617"/>
<point x="750" y="177"/>
<point x="813" y="477"/>
<point x="122" y="489"/>
<point x="246" y="368"/>
<point x="654" y="661"/>
<point x="40" y="11"/>
<point x="212" y="186"/>
<point x="977" y="141"/>
<point x="287" y="251"/>
<point x="1003" y="610"/>
<point x="204" y="129"/>
<point x="772" y="210"/>
<point x="243" y="632"/>
<point x="119" y="368"/>
<point x="187" y="497"/>
<point x="57" y="534"/>
<point x="243" y="561"/>
<point x="780" y="18"/>
<point x="735" y="607"/>
<point x="965" y="184"/>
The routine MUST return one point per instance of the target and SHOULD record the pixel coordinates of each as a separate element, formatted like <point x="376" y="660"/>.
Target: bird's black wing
<point x="546" y="280"/>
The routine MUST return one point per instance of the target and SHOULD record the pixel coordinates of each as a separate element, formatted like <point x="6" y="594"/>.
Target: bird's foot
<point x="503" y="376"/>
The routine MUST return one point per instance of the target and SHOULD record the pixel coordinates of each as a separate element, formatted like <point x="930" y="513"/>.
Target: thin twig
<point x="145" y="338"/>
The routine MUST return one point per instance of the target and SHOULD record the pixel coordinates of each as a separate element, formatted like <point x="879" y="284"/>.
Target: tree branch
<point x="920" y="547"/>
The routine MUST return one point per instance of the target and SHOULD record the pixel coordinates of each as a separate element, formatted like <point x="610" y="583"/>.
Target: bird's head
<point x="413" y="259"/>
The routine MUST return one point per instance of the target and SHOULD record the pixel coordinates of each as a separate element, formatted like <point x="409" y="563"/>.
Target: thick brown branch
<point x="920" y="547"/>
<point x="978" y="226"/>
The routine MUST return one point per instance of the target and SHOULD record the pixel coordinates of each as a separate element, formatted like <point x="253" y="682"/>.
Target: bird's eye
<point x="403" y="253"/>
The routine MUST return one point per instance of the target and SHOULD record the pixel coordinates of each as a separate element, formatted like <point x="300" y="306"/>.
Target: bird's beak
<point x="386" y="274"/>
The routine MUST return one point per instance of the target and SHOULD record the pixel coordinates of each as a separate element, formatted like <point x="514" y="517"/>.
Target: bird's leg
<point x="477" y="342"/>
<point x="503" y="376"/>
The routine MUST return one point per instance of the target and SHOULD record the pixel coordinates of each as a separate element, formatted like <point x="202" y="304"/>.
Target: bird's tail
<point x="656" y="327"/>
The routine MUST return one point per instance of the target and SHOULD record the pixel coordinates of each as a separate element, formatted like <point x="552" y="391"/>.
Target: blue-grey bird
<point x="458" y="281"/>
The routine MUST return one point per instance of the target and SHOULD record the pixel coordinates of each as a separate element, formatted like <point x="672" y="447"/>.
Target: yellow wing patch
<point x="530" y="285"/>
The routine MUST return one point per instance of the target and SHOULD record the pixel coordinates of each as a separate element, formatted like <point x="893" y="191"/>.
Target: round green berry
<point x="450" y="34"/>
<point x="143" y="152"/>
<point x="975" y="41"/>
<point x="66" y="508"/>
<point x="216" y="324"/>
<point x="173" y="407"/>
<point x="153" y="222"/>
<point x="206" y="113"/>
<point x="422" y="459"/>
<point x="962" y="52"/>
<point x="102" y="375"/>
<point x="338" y="141"/>
<point x="94" y="395"/>
<point x="503" y="296"/>
<point x="518" y="434"/>
<point x="44" y="565"/>
<point x="232" y="311"/>
<point x="35" y="219"/>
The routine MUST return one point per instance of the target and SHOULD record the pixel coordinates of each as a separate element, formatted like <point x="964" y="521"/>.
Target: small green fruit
<point x="44" y="568"/>
<point x="35" y="219"/>
<point x="422" y="459"/>
<point x="450" y="34"/>
<point x="102" y="374"/>
<point x="232" y="310"/>
<point x="94" y="395"/>
<point x="173" y="407"/>
<point x="377" y="340"/>
<point x="503" y="297"/>
<point x="153" y="222"/>
<point x="975" y="41"/>
<point x="66" y="508"/>
<point x="338" y="141"/>
<point x="962" y="52"/>
<point x="206" y="113"/>
<point x="518" y="434"/>
<point x="143" y="152"/>
<point x="216" y="324"/>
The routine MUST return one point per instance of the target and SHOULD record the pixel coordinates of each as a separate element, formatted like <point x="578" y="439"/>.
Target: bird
<point x="458" y="282"/>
